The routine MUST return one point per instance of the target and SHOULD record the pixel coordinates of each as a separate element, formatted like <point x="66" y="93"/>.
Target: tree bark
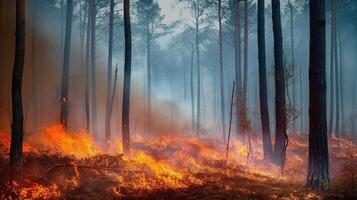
<point x="318" y="167"/>
<point x="17" y="129"/>
<point x="65" y="72"/>
<point x="291" y="9"/>
<point x="223" y="118"/>
<point x="127" y="80"/>
<point x="330" y="129"/>
<point x="263" y="96"/>
<point x="109" y="79"/>
<point x="280" y="110"/>
<point x="198" y="112"/>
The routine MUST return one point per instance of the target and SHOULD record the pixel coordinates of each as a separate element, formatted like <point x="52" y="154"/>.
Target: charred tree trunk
<point x="93" y="68"/>
<point x="65" y="72"/>
<point x="223" y="118"/>
<point x="17" y="129"/>
<point x="109" y="80"/>
<point x="87" y="70"/>
<point x="318" y="167"/>
<point x="280" y="110"/>
<point x="263" y="96"/>
<point x="127" y="80"/>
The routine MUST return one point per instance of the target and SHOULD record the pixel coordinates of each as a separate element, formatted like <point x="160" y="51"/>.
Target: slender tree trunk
<point x="245" y="76"/>
<point x="184" y="77"/>
<point x="280" y="110"/>
<point x="198" y="121"/>
<point x="337" y="126"/>
<point x="93" y="68"/>
<point x="127" y="80"/>
<point x="65" y="72"/>
<point x="149" y="80"/>
<point x="34" y="64"/>
<point x="223" y="117"/>
<point x="330" y="129"/>
<point x="340" y="48"/>
<point x="87" y="69"/>
<point x="301" y="101"/>
<point x="318" y="167"/>
<point x="263" y="96"/>
<point x="109" y="80"/>
<point x="291" y="9"/>
<point x="192" y="92"/>
<point x="17" y="129"/>
<point x="238" y="71"/>
<point x="113" y="96"/>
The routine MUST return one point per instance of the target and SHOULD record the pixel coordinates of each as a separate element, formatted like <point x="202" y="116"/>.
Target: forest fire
<point x="58" y="164"/>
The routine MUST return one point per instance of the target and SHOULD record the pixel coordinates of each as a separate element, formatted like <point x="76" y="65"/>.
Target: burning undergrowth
<point x="72" y="166"/>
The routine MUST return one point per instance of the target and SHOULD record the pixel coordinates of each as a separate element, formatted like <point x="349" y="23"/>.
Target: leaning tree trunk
<point x="93" y="68"/>
<point x="263" y="96"/>
<point x="17" y="128"/>
<point x="280" y="110"/>
<point x="318" y="167"/>
<point x="65" y="72"/>
<point x="127" y="80"/>
<point x="107" y="130"/>
<point x="223" y="118"/>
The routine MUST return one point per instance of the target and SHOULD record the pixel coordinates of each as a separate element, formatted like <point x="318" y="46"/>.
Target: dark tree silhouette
<point x="93" y="24"/>
<point x="65" y="72"/>
<point x="263" y="96"/>
<point x="127" y="80"/>
<point x="109" y="78"/>
<point x="223" y="117"/>
<point x="17" y="129"/>
<point x="87" y="69"/>
<point x="280" y="110"/>
<point x="318" y="167"/>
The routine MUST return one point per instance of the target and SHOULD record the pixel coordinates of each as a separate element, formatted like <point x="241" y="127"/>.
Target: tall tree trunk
<point x="280" y="110"/>
<point x="198" y="112"/>
<point x="292" y="42"/>
<point x="245" y="76"/>
<point x="93" y="68"/>
<point x="238" y="71"/>
<point x="17" y="129"/>
<point x="330" y="129"/>
<point x="34" y="64"/>
<point x="65" y="72"/>
<point x="301" y="101"/>
<point x="148" y="63"/>
<point x="223" y="118"/>
<point x="109" y="80"/>
<point x="318" y="167"/>
<point x="127" y="80"/>
<point x="192" y="92"/>
<point x="337" y="128"/>
<point x="263" y="96"/>
<point x="87" y="69"/>
<point x="341" y="54"/>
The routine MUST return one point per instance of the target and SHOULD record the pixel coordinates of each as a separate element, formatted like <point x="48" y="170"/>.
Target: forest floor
<point x="166" y="170"/>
